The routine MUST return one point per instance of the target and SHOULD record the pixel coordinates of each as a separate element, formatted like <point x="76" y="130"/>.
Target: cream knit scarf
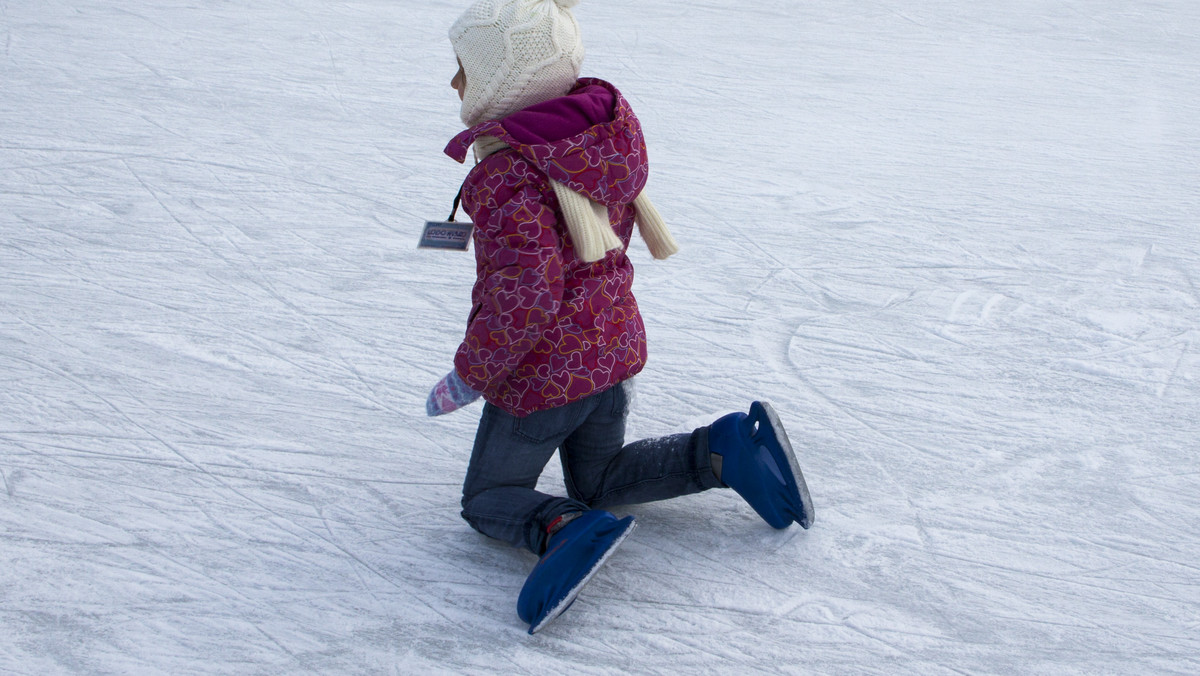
<point x="587" y="220"/>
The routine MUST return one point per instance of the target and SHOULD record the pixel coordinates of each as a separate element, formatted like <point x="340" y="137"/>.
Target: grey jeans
<point x="499" y="495"/>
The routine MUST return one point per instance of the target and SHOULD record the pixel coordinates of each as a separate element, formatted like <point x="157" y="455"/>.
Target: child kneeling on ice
<point x="554" y="331"/>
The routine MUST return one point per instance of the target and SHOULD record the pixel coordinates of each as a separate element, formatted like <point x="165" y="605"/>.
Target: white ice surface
<point x="954" y="243"/>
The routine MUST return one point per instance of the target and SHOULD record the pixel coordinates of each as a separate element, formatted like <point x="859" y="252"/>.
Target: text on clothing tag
<point x="446" y="235"/>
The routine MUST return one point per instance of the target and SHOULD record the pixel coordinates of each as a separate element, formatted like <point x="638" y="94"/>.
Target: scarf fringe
<point x="653" y="229"/>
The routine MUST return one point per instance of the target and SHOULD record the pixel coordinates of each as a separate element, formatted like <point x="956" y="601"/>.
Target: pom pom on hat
<point x="515" y="53"/>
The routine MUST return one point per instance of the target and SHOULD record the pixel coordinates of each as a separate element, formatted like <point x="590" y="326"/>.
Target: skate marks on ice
<point x="999" y="438"/>
<point x="1022" y="431"/>
<point x="963" y="270"/>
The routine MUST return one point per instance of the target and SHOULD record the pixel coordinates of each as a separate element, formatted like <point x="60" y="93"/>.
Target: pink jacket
<point x="547" y="329"/>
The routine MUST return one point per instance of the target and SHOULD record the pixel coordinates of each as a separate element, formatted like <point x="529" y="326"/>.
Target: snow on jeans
<point x="499" y="496"/>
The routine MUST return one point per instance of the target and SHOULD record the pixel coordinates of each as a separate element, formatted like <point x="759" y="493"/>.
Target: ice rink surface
<point x="955" y="244"/>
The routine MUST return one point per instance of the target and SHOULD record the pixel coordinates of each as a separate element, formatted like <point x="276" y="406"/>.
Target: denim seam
<point x="490" y="517"/>
<point x="689" y="474"/>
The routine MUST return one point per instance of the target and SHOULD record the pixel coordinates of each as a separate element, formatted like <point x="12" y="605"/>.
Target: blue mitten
<point x="450" y="394"/>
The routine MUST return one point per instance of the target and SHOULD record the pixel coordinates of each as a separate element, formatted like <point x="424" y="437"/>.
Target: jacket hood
<point x="589" y="140"/>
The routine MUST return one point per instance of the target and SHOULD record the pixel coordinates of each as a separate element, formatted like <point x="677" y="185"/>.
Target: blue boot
<point x="572" y="557"/>
<point x="757" y="462"/>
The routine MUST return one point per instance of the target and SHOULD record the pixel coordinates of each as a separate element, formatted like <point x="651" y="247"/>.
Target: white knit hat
<point x="515" y="53"/>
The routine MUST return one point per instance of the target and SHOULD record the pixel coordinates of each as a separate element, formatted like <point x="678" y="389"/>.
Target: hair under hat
<point x="515" y="53"/>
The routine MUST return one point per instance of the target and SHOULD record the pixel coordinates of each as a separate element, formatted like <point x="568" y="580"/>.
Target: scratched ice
<point x="953" y="243"/>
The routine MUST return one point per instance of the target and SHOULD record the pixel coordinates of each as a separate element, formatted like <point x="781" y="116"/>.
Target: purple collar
<point x="562" y="117"/>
